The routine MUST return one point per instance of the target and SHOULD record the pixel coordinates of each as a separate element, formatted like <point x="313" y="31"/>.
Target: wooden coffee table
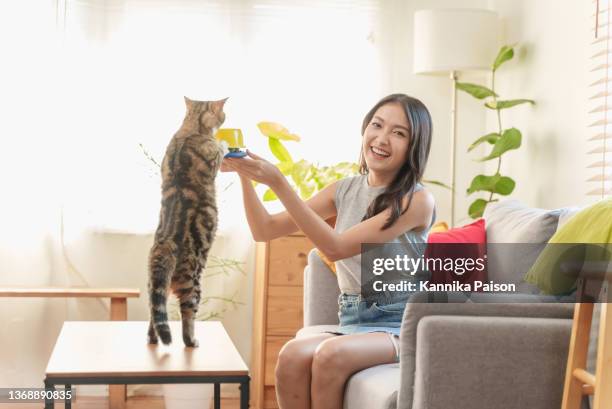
<point x="117" y="352"/>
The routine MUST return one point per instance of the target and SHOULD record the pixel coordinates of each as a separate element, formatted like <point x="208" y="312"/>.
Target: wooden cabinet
<point x="277" y="309"/>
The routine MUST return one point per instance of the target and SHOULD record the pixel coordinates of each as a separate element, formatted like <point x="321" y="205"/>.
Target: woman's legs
<point x="293" y="371"/>
<point x="336" y="359"/>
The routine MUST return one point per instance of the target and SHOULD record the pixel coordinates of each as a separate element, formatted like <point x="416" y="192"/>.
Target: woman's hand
<point x="225" y="166"/>
<point x="255" y="168"/>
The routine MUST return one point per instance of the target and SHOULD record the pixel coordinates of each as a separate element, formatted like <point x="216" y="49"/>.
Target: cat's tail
<point x="162" y="262"/>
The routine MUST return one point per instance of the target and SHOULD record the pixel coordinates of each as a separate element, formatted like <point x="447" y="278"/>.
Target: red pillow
<point x="467" y="242"/>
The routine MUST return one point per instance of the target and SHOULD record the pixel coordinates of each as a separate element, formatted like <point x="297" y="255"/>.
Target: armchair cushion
<point x="320" y="292"/>
<point x="373" y="388"/>
<point x="529" y="229"/>
<point x="418" y="309"/>
<point x="505" y="369"/>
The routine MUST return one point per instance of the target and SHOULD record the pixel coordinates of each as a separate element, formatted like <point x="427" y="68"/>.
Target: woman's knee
<point x="331" y="357"/>
<point x="294" y="361"/>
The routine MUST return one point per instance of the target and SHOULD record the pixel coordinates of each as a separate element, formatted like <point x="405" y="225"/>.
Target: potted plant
<point x="305" y="177"/>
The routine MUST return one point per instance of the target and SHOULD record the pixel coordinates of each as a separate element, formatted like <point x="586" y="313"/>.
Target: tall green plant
<point x="502" y="141"/>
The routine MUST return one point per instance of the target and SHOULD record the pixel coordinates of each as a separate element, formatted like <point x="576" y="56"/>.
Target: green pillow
<point x="592" y="225"/>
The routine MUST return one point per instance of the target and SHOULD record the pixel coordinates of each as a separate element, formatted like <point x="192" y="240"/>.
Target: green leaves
<point x="502" y="141"/>
<point x="308" y="178"/>
<point x="276" y="131"/>
<point x="326" y="175"/>
<point x="299" y="175"/>
<point x="497" y="183"/>
<point x="269" y="196"/>
<point x="475" y="90"/>
<point x="490" y="138"/>
<point x="279" y="151"/>
<point x="437" y="183"/>
<point x="306" y="190"/>
<point x="505" y="53"/>
<point x="304" y="177"/>
<point x="510" y="139"/>
<point x="507" y="104"/>
<point x="477" y="207"/>
<point x="285" y="167"/>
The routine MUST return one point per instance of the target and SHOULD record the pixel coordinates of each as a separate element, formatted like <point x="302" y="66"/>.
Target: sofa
<point x="465" y="355"/>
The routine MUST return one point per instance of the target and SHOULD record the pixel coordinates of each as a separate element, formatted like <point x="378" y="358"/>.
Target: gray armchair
<point x="470" y="355"/>
<point x="455" y="355"/>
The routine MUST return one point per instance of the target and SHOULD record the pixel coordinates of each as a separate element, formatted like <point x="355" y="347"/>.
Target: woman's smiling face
<point x="386" y="139"/>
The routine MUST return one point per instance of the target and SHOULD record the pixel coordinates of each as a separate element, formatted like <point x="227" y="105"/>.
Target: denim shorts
<point x="358" y="316"/>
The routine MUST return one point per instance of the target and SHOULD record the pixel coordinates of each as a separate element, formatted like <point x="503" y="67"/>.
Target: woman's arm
<point x="334" y="245"/>
<point x="337" y="246"/>
<point x="265" y="226"/>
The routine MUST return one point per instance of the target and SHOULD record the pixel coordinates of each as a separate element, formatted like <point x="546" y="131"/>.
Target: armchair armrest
<point x="491" y="362"/>
<point x="320" y="292"/>
<point x="418" y="309"/>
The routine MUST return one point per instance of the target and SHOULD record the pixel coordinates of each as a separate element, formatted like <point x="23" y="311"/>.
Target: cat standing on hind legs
<point x="187" y="219"/>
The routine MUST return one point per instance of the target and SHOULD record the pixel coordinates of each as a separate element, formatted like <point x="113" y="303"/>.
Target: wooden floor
<point x="138" y="402"/>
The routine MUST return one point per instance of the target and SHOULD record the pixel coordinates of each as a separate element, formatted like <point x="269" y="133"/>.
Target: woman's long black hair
<point x="413" y="168"/>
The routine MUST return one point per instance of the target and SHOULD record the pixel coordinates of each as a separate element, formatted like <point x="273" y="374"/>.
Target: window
<point x="600" y="184"/>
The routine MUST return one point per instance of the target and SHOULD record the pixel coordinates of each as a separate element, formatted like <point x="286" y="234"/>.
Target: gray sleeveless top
<point x="353" y="196"/>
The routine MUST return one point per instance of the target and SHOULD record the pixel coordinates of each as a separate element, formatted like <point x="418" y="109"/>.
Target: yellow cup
<point x="232" y="136"/>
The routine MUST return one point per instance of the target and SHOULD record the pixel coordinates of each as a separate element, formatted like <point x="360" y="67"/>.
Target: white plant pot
<point x="188" y="395"/>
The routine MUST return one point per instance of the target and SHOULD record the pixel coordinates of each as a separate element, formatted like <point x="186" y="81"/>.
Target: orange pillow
<point x="439" y="227"/>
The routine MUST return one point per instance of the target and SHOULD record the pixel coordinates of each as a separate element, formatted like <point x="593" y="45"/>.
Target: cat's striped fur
<point x="188" y="219"/>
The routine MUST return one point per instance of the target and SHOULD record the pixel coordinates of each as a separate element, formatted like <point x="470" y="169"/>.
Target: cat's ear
<point x="188" y="102"/>
<point x="217" y="106"/>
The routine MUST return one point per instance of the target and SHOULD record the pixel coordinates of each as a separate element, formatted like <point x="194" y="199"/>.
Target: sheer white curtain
<point x="83" y="83"/>
<point x="309" y="65"/>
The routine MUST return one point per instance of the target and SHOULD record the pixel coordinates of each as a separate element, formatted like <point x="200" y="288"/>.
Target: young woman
<point x="385" y="203"/>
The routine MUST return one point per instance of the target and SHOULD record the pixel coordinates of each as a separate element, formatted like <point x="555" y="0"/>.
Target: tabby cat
<point x="188" y="218"/>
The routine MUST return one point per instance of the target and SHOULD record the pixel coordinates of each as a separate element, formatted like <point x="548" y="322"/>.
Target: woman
<point x="385" y="203"/>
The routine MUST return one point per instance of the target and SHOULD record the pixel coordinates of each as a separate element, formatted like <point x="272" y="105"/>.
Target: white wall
<point x="396" y="33"/>
<point x="552" y="68"/>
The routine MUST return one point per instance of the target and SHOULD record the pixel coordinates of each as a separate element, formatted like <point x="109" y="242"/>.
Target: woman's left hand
<point x="255" y="168"/>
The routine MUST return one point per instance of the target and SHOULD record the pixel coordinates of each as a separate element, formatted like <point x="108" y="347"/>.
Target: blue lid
<point x="237" y="154"/>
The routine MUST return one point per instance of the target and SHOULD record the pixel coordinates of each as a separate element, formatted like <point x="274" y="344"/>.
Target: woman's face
<point x="386" y="139"/>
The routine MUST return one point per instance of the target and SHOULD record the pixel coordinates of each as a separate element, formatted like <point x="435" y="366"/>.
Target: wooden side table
<point x="115" y="352"/>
